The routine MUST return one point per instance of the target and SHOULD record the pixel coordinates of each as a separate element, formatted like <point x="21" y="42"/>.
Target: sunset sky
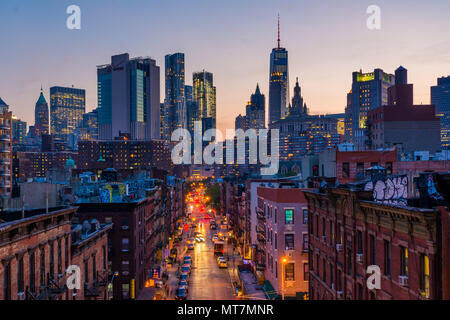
<point x="327" y="40"/>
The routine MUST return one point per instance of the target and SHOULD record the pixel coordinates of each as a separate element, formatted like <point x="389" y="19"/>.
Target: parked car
<point x="186" y="268"/>
<point x="181" y="293"/>
<point x="184" y="276"/>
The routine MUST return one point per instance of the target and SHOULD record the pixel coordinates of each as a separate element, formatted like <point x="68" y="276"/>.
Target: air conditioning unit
<point x="324" y="238"/>
<point x="403" y="281"/>
<point x="339" y="247"/>
<point x="359" y="257"/>
<point x="21" y="296"/>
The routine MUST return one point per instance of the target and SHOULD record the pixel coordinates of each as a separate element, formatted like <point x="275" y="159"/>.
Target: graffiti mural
<point x="392" y="190"/>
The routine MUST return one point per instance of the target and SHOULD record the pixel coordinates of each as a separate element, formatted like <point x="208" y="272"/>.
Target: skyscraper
<point x="369" y="91"/>
<point x="440" y="97"/>
<point x="278" y="82"/>
<point x="191" y="109"/>
<point x="5" y="150"/>
<point x="67" y="106"/>
<point x="129" y="98"/>
<point x="19" y="130"/>
<point x="175" y="104"/>
<point x="255" y="115"/>
<point x="204" y="94"/>
<point x="41" y="118"/>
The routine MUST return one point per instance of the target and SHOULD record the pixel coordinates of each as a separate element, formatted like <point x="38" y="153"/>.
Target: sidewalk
<point x="252" y="291"/>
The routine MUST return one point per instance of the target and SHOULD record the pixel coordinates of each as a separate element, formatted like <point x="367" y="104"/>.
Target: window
<point x="125" y="265"/>
<point x="94" y="268"/>
<point x="360" y="170"/>
<point x="305" y="242"/>
<point x="42" y="267"/>
<point x="387" y="258"/>
<point x="289" y="269"/>
<point x="305" y="216"/>
<point x="359" y="236"/>
<point x="349" y="261"/>
<point x="125" y="290"/>
<point x="86" y="272"/>
<point x="66" y="251"/>
<point x="276" y="241"/>
<point x="388" y="168"/>
<point x="52" y="260"/>
<point x="305" y="272"/>
<point x="7" y="282"/>
<point x="32" y="272"/>
<point x="403" y="261"/>
<point x="59" y="258"/>
<point x="346" y="170"/>
<point x="324" y="227"/>
<point x="276" y="214"/>
<point x="331" y="274"/>
<point x="104" y="258"/>
<point x="332" y="232"/>
<point x="360" y="292"/>
<point x="289" y="240"/>
<point x="289" y="216"/>
<point x="20" y="279"/>
<point x="125" y="244"/>
<point x="324" y="270"/>
<point x="372" y="250"/>
<point x="425" y="275"/>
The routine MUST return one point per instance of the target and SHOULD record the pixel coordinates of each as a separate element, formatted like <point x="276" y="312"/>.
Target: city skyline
<point x="326" y="42"/>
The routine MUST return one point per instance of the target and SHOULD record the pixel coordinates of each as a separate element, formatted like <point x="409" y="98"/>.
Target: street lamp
<point x="112" y="279"/>
<point x="283" y="261"/>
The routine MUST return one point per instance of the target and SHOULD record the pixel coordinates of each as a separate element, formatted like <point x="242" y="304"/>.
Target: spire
<point x="257" y="89"/>
<point x="278" y="31"/>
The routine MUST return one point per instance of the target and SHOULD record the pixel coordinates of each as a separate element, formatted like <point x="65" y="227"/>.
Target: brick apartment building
<point x="348" y="232"/>
<point x="283" y="212"/>
<point x="36" y="249"/>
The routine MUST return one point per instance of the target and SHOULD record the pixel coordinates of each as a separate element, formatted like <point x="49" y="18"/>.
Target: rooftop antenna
<point x="278" y="31"/>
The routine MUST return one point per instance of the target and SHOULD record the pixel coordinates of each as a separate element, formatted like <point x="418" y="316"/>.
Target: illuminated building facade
<point x="440" y="97"/>
<point x="41" y="118"/>
<point x="128" y="98"/>
<point x="175" y="104"/>
<point x="255" y="113"/>
<point x="369" y="91"/>
<point x="204" y="94"/>
<point x="192" y="112"/>
<point x="67" y="106"/>
<point x="278" y="82"/>
<point x="302" y="134"/>
<point x="5" y="150"/>
<point x="19" y="130"/>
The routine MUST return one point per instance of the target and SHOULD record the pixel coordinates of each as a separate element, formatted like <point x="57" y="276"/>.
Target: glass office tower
<point x="67" y="106"/>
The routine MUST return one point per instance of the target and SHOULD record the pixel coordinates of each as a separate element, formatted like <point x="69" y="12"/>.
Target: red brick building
<point x="283" y="212"/>
<point x="37" y="249"/>
<point x="348" y="232"/>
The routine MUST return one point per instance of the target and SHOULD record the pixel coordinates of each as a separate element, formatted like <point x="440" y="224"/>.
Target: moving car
<point x="223" y="263"/>
<point x="190" y="246"/>
<point x="181" y="293"/>
<point x="214" y="239"/>
<point x="220" y="258"/>
<point x="187" y="258"/>
<point x="200" y="239"/>
<point x="219" y="248"/>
